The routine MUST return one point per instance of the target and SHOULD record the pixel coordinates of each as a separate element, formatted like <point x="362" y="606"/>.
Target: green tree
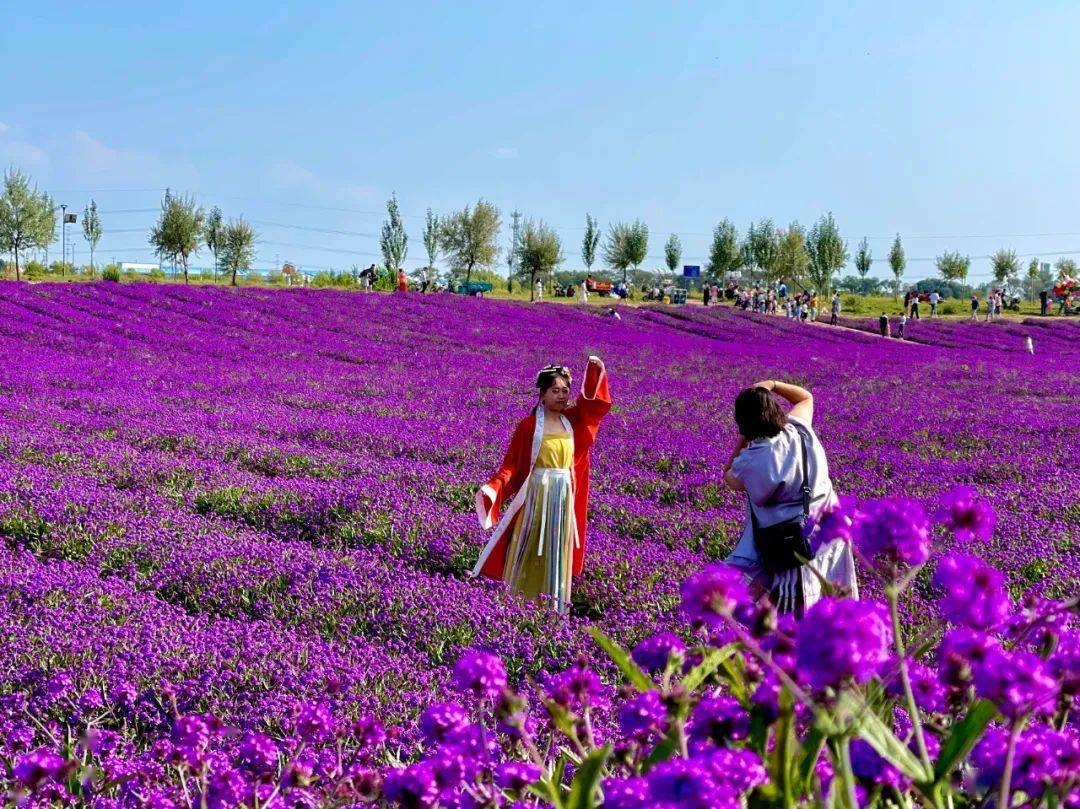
<point x="626" y="245"/>
<point x="91" y="227"/>
<point x="214" y="234"/>
<point x="828" y="253"/>
<point x="590" y="241"/>
<point x="27" y="217"/>
<point x="46" y="224"/>
<point x="1005" y="266"/>
<point x="237" y="248"/>
<point x="394" y="241"/>
<point x="953" y="266"/>
<point x="1066" y="268"/>
<point x="179" y="230"/>
<point x="431" y="238"/>
<point x="725" y="256"/>
<point x="1033" y="275"/>
<point x="764" y="244"/>
<point x="469" y="238"/>
<point x="672" y="252"/>
<point x="897" y="263"/>
<point x="863" y="258"/>
<point x="792" y="260"/>
<point x="539" y="252"/>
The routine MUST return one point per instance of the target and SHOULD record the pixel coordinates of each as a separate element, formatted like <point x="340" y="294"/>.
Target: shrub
<point x="111" y="272"/>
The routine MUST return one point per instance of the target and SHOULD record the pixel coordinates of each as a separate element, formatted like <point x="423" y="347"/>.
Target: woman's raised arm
<point x="594" y="401"/>
<point x="802" y="400"/>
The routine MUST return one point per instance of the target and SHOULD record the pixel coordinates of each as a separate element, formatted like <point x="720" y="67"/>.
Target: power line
<point x="315" y="229"/>
<point x="364" y="212"/>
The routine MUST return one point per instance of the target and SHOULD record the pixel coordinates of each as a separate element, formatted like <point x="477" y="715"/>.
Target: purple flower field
<point x="235" y="525"/>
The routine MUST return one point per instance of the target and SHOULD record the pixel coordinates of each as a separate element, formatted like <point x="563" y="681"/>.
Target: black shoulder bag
<point x="783" y="546"/>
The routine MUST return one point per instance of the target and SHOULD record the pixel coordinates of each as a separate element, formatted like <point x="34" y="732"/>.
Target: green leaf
<point x="551" y="788"/>
<point x="711" y="661"/>
<point x="638" y="678"/>
<point x="587" y="780"/>
<point x="664" y="750"/>
<point x="963" y="737"/>
<point x="873" y="731"/>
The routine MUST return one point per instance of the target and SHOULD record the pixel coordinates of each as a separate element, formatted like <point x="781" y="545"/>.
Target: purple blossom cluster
<point x="235" y="526"/>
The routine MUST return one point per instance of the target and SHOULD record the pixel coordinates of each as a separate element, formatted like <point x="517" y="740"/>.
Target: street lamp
<point x="67" y="217"/>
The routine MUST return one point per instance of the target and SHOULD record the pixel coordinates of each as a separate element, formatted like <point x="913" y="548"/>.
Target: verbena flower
<point x="893" y="531"/>
<point x="32" y="769"/>
<point x="516" y="775"/>
<point x="368" y="732"/>
<point x="654" y="652"/>
<point x="481" y="674"/>
<point x="842" y="640"/>
<point x="625" y="793"/>
<point x="315" y="723"/>
<point x="1017" y="682"/>
<point x="577" y="688"/>
<point x="258" y="753"/>
<point x="713" y="593"/>
<point x="688" y="783"/>
<point x="926" y="686"/>
<point x="643" y="716"/>
<point x="440" y="720"/>
<point x="973" y="593"/>
<point x="717" y="721"/>
<point x="969" y="517"/>
<point x="741" y="770"/>
<point x="412" y="787"/>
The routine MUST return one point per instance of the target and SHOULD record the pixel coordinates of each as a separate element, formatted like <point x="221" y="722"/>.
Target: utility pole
<point x="515" y="240"/>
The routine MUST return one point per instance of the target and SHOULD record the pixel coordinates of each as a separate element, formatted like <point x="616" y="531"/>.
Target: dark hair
<point x="758" y="414"/>
<point x="547" y="376"/>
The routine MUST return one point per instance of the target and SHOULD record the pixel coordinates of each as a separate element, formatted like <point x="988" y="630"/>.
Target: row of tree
<point x="468" y="240"/>
<point x="28" y="220"/>
<point x="183" y="228"/>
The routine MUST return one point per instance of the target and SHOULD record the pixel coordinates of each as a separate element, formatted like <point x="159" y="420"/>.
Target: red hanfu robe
<point x="509" y="484"/>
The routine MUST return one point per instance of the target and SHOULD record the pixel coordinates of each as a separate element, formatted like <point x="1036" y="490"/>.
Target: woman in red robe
<point x="539" y="498"/>
<point x="402" y="283"/>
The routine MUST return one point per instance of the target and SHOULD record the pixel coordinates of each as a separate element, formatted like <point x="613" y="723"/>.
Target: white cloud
<point x="290" y="177"/>
<point x="506" y="153"/>
<point x="80" y="158"/>
<point x="94" y="161"/>
<point x="23" y="156"/>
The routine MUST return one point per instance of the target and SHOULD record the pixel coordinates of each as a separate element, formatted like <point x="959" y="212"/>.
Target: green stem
<point x="847" y="775"/>
<point x="905" y="679"/>
<point x="1004" y="793"/>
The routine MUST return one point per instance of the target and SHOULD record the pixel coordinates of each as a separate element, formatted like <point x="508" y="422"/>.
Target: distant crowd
<point x="803" y="306"/>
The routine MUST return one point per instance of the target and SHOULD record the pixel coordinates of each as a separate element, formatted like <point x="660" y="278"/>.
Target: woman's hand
<point x="595" y="360"/>
<point x="740" y="445"/>
<point x="768" y="384"/>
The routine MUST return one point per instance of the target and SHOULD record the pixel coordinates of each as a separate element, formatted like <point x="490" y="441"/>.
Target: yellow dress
<point x="540" y="556"/>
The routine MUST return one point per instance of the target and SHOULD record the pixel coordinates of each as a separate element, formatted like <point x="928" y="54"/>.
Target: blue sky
<point x="953" y="124"/>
